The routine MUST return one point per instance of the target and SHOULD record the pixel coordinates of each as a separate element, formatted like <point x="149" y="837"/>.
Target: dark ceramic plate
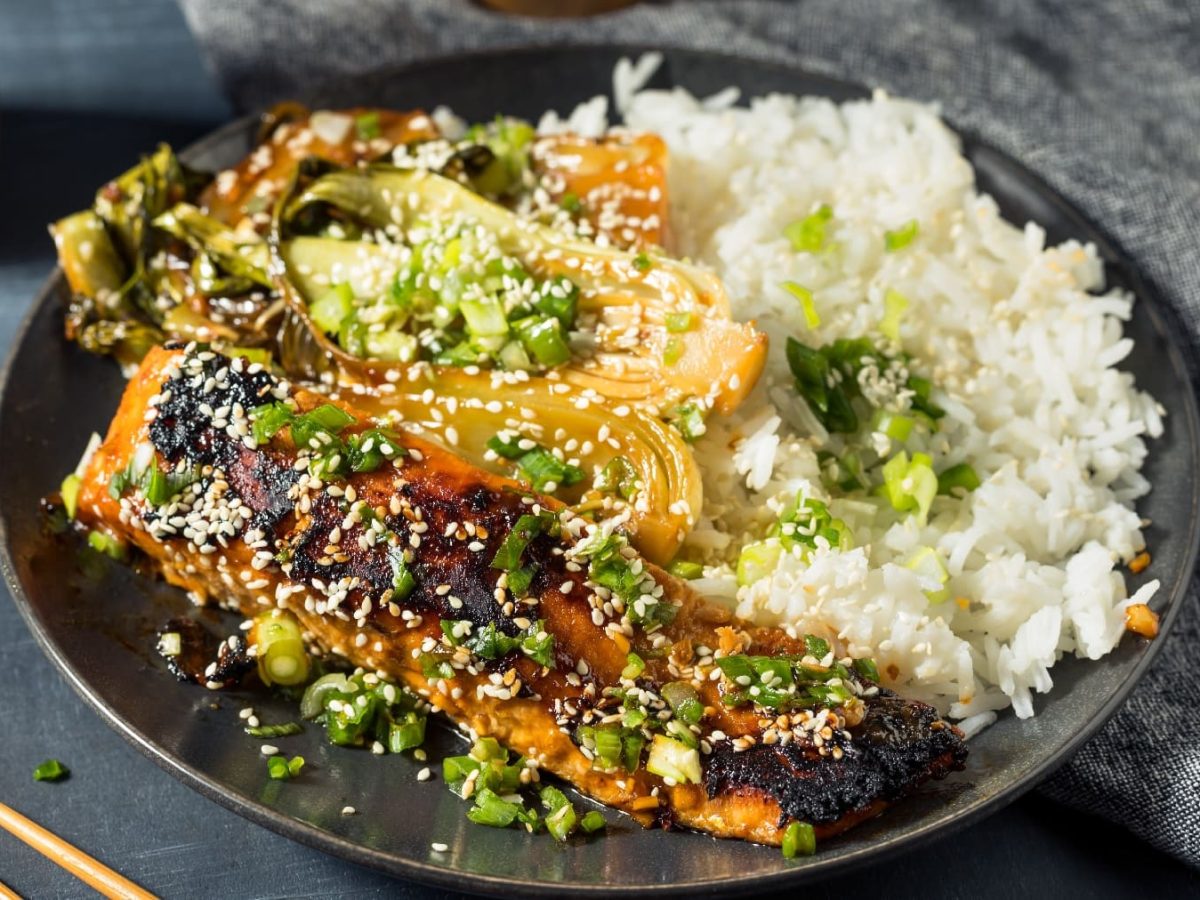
<point x="96" y="621"/>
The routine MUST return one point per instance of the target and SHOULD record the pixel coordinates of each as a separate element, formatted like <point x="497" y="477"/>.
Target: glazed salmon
<point x="251" y="521"/>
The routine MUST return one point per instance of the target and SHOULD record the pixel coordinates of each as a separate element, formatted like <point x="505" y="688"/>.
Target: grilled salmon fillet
<point x="252" y="522"/>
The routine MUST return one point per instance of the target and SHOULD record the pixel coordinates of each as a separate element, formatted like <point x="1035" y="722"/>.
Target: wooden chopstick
<point x="90" y="871"/>
<point x="8" y="893"/>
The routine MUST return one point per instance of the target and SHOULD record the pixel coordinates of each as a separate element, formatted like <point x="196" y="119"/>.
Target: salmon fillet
<point x="254" y="530"/>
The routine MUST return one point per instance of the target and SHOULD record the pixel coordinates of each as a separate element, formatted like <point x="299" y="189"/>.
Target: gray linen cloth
<point x="1100" y="98"/>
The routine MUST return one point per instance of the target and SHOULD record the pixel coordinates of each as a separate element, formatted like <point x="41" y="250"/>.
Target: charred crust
<point x="899" y="744"/>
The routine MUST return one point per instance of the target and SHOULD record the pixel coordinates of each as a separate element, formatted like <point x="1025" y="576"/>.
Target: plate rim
<point x="1150" y="303"/>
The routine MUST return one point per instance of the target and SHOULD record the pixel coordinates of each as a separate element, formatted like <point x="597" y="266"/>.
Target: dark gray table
<point x="120" y="807"/>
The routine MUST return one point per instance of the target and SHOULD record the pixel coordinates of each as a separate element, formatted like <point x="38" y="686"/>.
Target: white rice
<point x="1019" y="339"/>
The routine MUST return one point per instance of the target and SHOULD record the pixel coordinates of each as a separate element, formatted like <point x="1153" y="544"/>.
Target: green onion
<point x="571" y="202"/>
<point x="618" y="476"/>
<point x="51" y="770"/>
<point x="642" y="262"/>
<point x="961" y="476"/>
<point x="684" y="701"/>
<point x="520" y="578"/>
<point x="284" y="729"/>
<point x="815" y="647"/>
<point x="508" y="556"/>
<point x="901" y="237"/>
<point x="492" y="810"/>
<point x="634" y="666"/>
<point x="592" y="822"/>
<point x="312" y="704"/>
<point x="561" y="819"/>
<point x="896" y="426"/>
<point x="680" y="321"/>
<point x="895" y="305"/>
<point x="674" y="759"/>
<point x="332" y="308"/>
<point x="799" y="840"/>
<point x="542" y="337"/>
<point x="403" y="580"/>
<point x="538" y="644"/>
<point x="808" y="234"/>
<point x="367" y="126"/>
<point x="757" y="561"/>
<point x="928" y="565"/>
<point x="910" y="486"/>
<point x="690" y="421"/>
<point x="673" y="351"/>
<point x="280" y="652"/>
<point x="269" y="419"/>
<point x="70" y="494"/>
<point x="407" y="734"/>
<point x="804" y="295"/>
<point x="682" y="568"/>
<point x="281" y="768"/>
<point x="867" y="669"/>
<point x="105" y="543"/>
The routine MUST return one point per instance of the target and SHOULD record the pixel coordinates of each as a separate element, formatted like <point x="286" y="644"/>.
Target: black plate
<point x="96" y="622"/>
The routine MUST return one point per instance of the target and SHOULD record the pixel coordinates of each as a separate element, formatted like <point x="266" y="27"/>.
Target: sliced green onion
<point x="815" y="647"/>
<point x="571" y="202"/>
<point x="407" y="734"/>
<point x="928" y="565"/>
<point x="757" y="561"/>
<point x="804" y="295"/>
<point x="618" y="476"/>
<point x="901" y="237"/>
<point x="895" y="305"/>
<point x="634" y="666"/>
<point x="808" y="234"/>
<point x="592" y="822"/>
<point x="642" y="262"/>
<point x="910" y="486"/>
<point x="492" y="810"/>
<point x="269" y="419"/>
<point x="403" y="580"/>
<point x="800" y="839"/>
<point x="682" y="568"/>
<point x="684" y="701"/>
<point x="542" y="337"/>
<point x="673" y="351"/>
<point x="896" y="426"/>
<point x="865" y="666"/>
<point x="689" y="419"/>
<point x="280" y="652"/>
<point x="284" y="729"/>
<point x="961" y="476"/>
<point x="367" y="126"/>
<point x="674" y="759"/>
<point x="312" y="704"/>
<point x="331" y="309"/>
<point x="562" y="819"/>
<point x="51" y="770"/>
<point x="508" y="556"/>
<point x="680" y="321"/>
<point x="105" y="543"/>
<point x="70" y="494"/>
<point x="281" y="768"/>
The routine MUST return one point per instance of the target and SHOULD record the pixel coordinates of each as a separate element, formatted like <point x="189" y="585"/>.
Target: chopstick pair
<point x="90" y="871"/>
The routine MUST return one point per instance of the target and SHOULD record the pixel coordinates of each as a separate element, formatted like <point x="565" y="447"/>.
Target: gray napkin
<point x="1101" y="98"/>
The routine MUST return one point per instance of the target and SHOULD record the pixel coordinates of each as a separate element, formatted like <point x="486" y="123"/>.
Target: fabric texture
<point x="1102" y="99"/>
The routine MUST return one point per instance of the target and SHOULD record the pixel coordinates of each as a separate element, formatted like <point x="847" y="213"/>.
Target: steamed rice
<point x="1021" y="342"/>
